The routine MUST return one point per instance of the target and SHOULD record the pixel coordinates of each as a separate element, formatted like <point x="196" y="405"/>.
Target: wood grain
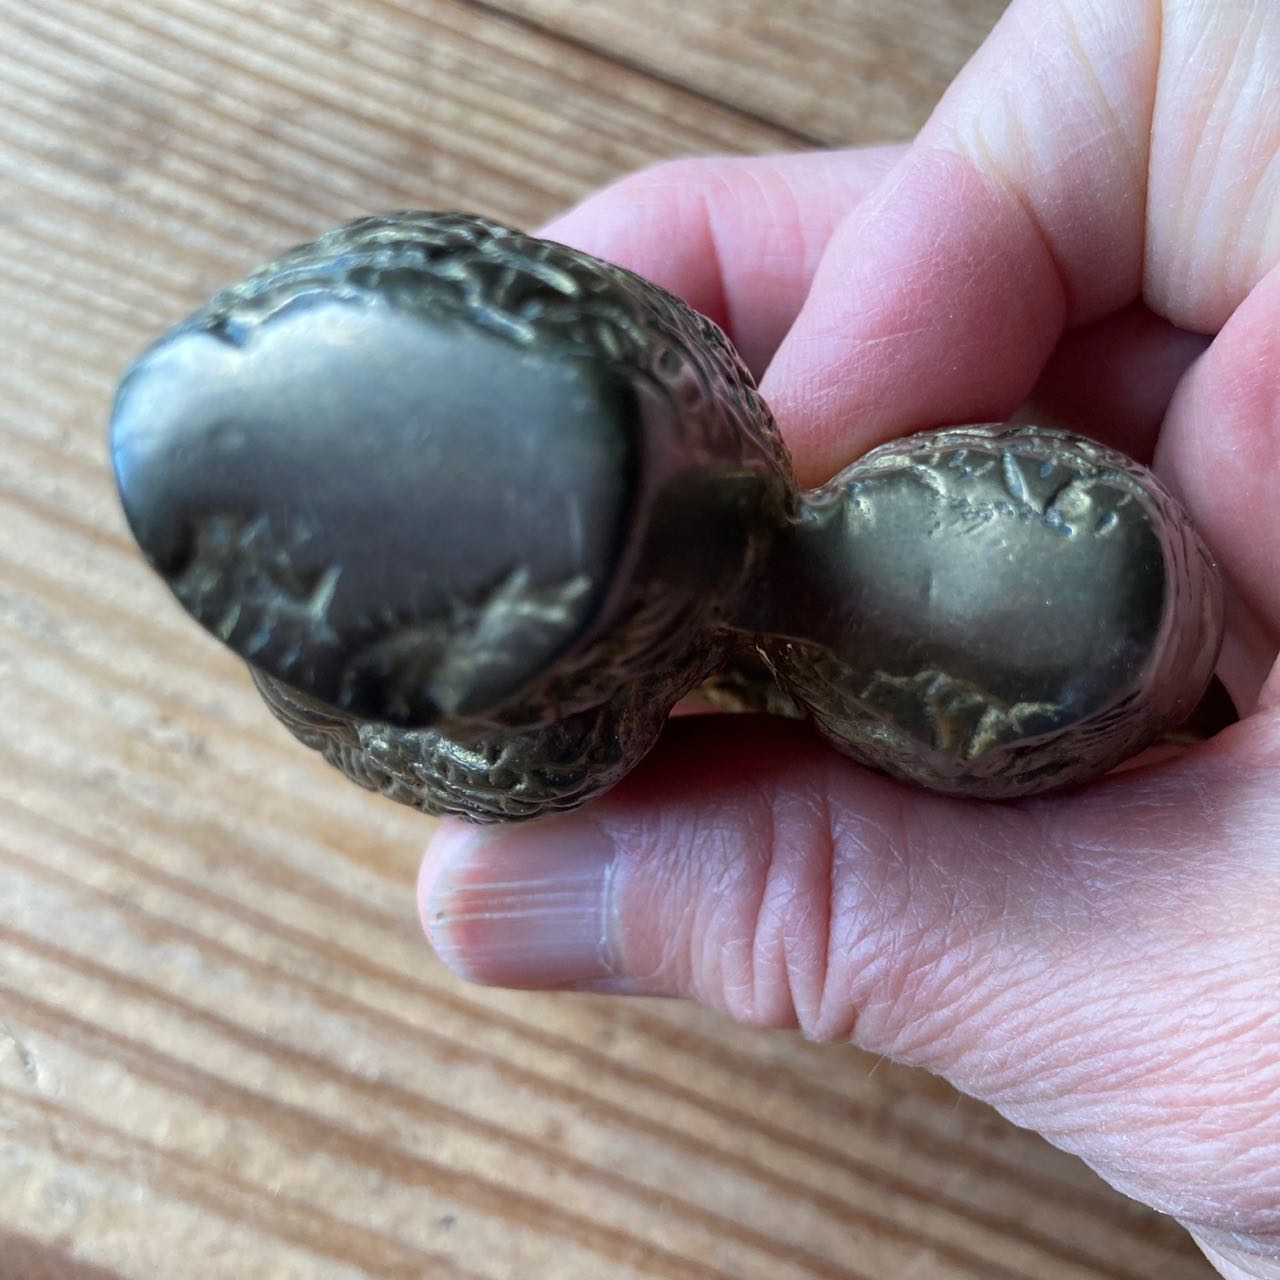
<point x="224" y="1049"/>
<point x="834" y="74"/>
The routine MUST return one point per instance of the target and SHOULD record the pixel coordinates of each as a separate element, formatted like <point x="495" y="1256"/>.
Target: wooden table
<point x="224" y="1049"/>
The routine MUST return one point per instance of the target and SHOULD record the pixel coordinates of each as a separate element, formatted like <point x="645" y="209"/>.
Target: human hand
<point x="1100" y="186"/>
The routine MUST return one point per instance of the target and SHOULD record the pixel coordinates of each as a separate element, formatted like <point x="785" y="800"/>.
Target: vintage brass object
<point x="478" y="509"/>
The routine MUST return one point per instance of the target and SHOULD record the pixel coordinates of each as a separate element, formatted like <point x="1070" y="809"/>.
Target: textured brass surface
<point x="478" y="509"/>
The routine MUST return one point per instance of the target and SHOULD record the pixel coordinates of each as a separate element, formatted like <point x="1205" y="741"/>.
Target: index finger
<point x="737" y="237"/>
<point x="1052" y="186"/>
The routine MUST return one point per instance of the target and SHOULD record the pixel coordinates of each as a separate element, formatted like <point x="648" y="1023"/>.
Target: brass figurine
<point x="478" y="509"/>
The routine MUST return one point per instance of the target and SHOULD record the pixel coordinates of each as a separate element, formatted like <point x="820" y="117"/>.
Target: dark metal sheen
<point x="478" y="509"/>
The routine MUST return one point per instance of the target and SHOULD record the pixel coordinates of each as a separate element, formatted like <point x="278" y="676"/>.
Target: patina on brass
<point x="478" y="509"/>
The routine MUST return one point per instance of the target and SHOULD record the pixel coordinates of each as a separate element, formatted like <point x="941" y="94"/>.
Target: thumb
<point x="1104" y="968"/>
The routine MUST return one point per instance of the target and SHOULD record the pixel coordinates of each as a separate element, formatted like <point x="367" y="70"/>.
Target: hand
<point x="1098" y="189"/>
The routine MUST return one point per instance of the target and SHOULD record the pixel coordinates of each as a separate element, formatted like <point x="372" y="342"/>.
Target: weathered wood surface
<point x="224" y="1050"/>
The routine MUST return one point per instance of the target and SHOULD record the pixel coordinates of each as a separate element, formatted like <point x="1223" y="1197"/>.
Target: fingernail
<point x="524" y="907"/>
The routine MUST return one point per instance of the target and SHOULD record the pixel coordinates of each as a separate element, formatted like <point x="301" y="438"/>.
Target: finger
<point x="738" y="238"/>
<point x="1235" y="1261"/>
<point x="1213" y="190"/>
<point x="941" y="297"/>
<point x="1022" y="209"/>
<point x="1113" y="379"/>
<point x="1220" y="448"/>
<point x="1100" y="968"/>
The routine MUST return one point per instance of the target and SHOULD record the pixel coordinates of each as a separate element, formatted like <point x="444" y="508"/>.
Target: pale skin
<point x="1089" y="222"/>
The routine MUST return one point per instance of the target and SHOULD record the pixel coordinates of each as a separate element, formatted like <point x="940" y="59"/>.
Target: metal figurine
<point x="478" y="509"/>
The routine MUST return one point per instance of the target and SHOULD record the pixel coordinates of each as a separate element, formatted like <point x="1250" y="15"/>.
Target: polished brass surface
<point x="478" y="509"/>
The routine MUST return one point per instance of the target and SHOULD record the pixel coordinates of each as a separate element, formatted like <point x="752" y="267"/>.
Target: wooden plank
<point x="224" y="1049"/>
<point x="861" y="71"/>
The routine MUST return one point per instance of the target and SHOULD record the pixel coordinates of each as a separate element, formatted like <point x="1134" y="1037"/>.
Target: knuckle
<point x="810" y="911"/>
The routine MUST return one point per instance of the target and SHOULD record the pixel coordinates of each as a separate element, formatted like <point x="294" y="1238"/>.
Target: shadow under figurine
<point x="479" y="509"/>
